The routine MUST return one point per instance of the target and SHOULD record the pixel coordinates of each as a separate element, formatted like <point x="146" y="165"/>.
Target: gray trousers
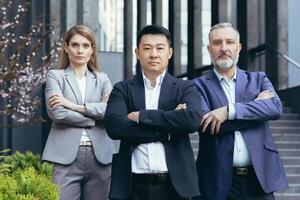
<point x="84" y="179"/>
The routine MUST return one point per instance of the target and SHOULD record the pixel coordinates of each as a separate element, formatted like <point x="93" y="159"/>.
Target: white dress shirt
<point x="150" y="157"/>
<point x="241" y="156"/>
<point x="82" y="87"/>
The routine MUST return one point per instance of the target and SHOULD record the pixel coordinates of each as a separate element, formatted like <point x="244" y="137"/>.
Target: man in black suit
<point x="152" y="115"/>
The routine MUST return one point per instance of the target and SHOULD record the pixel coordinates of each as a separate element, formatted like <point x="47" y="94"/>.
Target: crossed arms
<point x="266" y="106"/>
<point x="153" y="125"/>
<point x="63" y="111"/>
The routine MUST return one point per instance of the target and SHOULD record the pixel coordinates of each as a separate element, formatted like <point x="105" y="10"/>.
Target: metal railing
<point x="196" y="72"/>
<point x="262" y="48"/>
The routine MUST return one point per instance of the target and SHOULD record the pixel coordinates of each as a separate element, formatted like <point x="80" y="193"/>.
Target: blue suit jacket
<point x="215" y="158"/>
<point x="166" y="125"/>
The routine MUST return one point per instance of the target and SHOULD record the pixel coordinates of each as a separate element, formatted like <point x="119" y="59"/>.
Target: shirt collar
<point x="220" y="77"/>
<point x="159" y="79"/>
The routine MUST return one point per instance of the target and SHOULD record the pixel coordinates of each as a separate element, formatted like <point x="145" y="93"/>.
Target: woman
<point x="76" y="97"/>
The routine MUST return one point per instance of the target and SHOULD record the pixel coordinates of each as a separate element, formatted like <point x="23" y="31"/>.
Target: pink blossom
<point x="23" y="69"/>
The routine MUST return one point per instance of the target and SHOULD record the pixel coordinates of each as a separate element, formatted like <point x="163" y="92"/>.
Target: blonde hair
<point x="93" y="63"/>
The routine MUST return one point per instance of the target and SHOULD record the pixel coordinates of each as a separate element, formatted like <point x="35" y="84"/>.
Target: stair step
<point x="289" y="116"/>
<point x="285" y="129"/>
<point x="285" y="134"/>
<point x="291" y="166"/>
<point x="291" y="160"/>
<point x="287" y="196"/>
<point x="287" y="110"/>
<point x="288" y="144"/>
<point x="282" y="137"/>
<point x="294" y="180"/>
<point x="289" y="152"/>
<point x="292" y="189"/>
<point x="292" y="175"/>
<point x="277" y="136"/>
<point x="285" y="122"/>
<point x="297" y="197"/>
<point x="280" y="144"/>
<point x="292" y="170"/>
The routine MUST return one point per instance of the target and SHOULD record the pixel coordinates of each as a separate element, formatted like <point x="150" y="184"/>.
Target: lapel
<point x="240" y="85"/>
<point x="90" y="85"/>
<point x="138" y="92"/>
<point x="214" y="84"/>
<point x="71" y="79"/>
<point x="166" y="91"/>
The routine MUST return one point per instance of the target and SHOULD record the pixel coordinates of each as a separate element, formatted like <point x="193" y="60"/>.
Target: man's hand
<point x="181" y="106"/>
<point x="267" y="94"/>
<point x="214" y="118"/>
<point x="134" y="116"/>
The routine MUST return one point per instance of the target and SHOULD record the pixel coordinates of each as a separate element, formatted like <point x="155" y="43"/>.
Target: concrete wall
<point x="112" y="64"/>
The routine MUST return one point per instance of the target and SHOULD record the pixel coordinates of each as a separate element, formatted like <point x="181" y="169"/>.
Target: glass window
<point x="184" y="35"/>
<point x="206" y="24"/>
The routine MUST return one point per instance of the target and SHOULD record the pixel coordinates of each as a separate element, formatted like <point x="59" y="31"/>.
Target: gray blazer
<point x="67" y="125"/>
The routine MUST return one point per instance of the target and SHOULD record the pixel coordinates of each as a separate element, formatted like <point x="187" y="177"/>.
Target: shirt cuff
<point x="138" y="119"/>
<point x="231" y="111"/>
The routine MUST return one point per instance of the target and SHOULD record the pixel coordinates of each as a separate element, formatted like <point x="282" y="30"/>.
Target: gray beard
<point x="226" y="64"/>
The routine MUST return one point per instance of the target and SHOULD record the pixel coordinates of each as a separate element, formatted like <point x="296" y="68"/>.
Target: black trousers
<point x="153" y="187"/>
<point x="245" y="186"/>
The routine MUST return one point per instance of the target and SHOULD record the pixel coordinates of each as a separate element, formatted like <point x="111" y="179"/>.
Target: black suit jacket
<point x="166" y="125"/>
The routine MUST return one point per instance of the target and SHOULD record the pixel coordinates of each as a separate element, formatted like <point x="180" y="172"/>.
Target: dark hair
<point x="155" y="30"/>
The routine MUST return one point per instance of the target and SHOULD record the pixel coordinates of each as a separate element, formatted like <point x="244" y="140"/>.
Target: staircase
<point x="286" y="132"/>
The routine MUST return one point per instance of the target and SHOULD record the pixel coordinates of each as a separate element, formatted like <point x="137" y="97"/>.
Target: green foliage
<point x="24" y="177"/>
<point x="27" y="184"/>
<point x="8" y="186"/>
<point x="22" y="161"/>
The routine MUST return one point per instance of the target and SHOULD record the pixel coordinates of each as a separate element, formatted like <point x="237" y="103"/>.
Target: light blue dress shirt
<point x="241" y="156"/>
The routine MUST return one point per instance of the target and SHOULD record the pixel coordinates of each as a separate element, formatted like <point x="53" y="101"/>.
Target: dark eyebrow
<point x="162" y="44"/>
<point x="85" y="43"/>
